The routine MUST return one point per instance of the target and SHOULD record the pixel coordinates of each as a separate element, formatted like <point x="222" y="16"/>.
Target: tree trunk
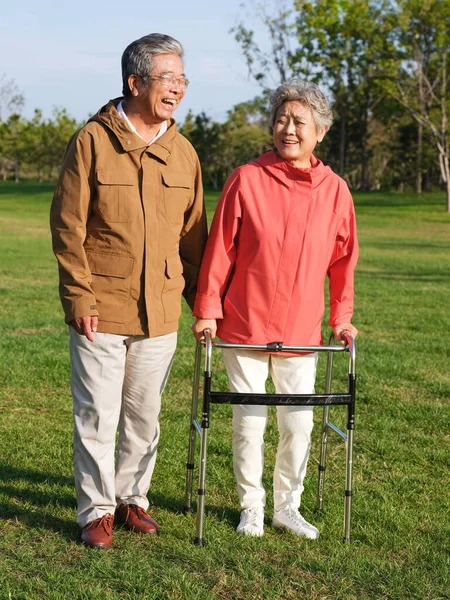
<point x="340" y="105"/>
<point x="422" y="104"/>
<point x="419" y="158"/>
<point x="342" y="145"/>
<point x="444" y="164"/>
<point x="448" y="195"/>
<point x="364" y="154"/>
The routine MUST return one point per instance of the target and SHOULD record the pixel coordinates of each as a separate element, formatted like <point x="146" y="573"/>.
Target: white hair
<point x="307" y="93"/>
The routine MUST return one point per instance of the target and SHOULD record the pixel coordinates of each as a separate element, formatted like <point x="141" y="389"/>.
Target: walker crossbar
<point x="326" y="400"/>
<point x="278" y="399"/>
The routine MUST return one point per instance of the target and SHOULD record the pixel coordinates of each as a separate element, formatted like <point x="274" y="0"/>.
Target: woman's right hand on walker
<point x="199" y="326"/>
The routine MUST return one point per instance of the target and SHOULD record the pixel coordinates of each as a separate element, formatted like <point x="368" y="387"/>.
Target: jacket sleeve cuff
<point x="340" y="318"/>
<point x="81" y="307"/>
<point x="206" y="307"/>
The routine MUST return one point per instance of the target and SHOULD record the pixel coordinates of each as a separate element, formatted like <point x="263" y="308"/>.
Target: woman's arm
<point x="220" y="253"/>
<point x="341" y="274"/>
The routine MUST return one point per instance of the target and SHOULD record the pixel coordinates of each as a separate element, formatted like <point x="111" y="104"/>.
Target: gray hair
<point x="137" y="58"/>
<point x="307" y="93"/>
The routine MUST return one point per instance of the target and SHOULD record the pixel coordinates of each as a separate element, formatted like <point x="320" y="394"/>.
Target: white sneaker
<point x="290" y="518"/>
<point x="252" y="521"/>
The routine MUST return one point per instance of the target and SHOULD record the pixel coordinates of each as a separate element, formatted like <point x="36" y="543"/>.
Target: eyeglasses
<point x="170" y="80"/>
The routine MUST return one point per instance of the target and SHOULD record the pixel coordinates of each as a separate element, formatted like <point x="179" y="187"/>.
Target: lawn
<point x="400" y="521"/>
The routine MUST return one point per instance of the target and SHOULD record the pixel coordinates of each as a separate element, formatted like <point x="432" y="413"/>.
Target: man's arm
<point x="68" y="220"/>
<point x="193" y="239"/>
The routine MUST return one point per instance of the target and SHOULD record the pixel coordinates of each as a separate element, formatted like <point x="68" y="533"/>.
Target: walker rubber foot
<point x="198" y="542"/>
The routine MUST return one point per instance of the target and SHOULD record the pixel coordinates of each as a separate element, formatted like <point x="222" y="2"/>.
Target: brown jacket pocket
<point x="178" y="193"/>
<point x="173" y="288"/>
<point x="114" y="194"/>
<point x="111" y="281"/>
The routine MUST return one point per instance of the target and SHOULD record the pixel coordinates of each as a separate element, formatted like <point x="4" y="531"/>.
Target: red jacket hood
<point x="286" y="173"/>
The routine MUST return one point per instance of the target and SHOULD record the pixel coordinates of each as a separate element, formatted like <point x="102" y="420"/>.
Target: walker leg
<point x="322" y="459"/>
<point x="349" y="457"/>
<point x="198" y="541"/>
<point x="192" y="432"/>
<point x="323" y="447"/>
<point x="348" y="485"/>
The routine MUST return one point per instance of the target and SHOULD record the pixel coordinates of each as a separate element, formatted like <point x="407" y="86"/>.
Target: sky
<point x="67" y="54"/>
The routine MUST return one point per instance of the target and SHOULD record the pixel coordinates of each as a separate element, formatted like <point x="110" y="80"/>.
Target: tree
<point x="278" y="63"/>
<point x="203" y="133"/>
<point x="54" y="136"/>
<point x="422" y="83"/>
<point x="335" y="43"/>
<point x="11" y="99"/>
<point x="222" y="147"/>
<point x="13" y="143"/>
<point x="245" y="134"/>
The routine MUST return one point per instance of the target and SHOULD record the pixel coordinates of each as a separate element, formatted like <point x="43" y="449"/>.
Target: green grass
<point x="400" y="524"/>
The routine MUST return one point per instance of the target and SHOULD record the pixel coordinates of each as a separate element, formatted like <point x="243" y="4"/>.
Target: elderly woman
<point x="284" y="221"/>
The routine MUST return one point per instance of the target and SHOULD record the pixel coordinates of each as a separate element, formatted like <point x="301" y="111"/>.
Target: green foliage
<point x="385" y="65"/>
<point x="401" y="455"/>
<point x="222" y="147"/>
<point x="36" y="146"/>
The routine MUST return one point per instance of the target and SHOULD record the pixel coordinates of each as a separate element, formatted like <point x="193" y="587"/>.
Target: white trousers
<point x="117" y="382"/>
<point x="247" y="372"/>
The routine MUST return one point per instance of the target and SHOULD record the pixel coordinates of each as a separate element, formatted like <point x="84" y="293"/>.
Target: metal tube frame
<point x="324" y="400"/>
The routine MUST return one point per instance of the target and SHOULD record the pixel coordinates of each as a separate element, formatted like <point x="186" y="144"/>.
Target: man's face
<point x="160" y="97"/>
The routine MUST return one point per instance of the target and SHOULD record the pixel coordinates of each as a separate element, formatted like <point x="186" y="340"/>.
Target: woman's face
<point x="295" y="134"/>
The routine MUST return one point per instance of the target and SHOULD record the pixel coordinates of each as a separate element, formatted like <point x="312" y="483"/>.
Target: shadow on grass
<point x="28" y="503"/>
<point x="26" y="188"/>
<point x="407" y="245"/>
<point x="442" y="277"/>
<point x="228" y="515"/>
<point x="31" y="504"/>
<point x="379" y="199"/>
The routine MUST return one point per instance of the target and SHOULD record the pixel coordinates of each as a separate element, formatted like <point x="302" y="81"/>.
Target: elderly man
<point x="129" y="229"/>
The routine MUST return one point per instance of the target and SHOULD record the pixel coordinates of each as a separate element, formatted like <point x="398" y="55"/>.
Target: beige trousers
<point x="117" y="382"/>
<point x="247" y="372"/>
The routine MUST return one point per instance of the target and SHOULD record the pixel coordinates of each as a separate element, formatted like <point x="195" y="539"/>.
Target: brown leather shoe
<point x="98" y="533"/>
<point x="135" y="518"/>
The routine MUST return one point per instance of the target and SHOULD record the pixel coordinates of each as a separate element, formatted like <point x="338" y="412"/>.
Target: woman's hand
<point x="199" y="326"/>
<point x="338" y="330"/>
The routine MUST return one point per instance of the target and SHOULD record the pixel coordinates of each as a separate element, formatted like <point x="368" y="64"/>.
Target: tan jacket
<point x="128" y="226"/>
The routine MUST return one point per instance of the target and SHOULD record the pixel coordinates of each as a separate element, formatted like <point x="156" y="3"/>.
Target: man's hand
<point x="348" y="328"/>
<point x="200" y="325"/>
<point x="85" y="326"/>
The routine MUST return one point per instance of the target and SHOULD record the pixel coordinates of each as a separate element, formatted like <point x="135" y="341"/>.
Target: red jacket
<point x="277" y="232"/>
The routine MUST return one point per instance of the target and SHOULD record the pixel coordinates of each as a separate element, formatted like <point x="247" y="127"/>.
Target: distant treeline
<point x="383" y="64"/>
<point x="34" y="148"/>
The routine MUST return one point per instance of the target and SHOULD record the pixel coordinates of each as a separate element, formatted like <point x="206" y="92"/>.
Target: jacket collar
<point x="129" y="140"/>
<point x="287" y="174"/>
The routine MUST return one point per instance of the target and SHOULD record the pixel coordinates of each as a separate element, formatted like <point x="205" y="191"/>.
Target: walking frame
<point x="327" y="399"/>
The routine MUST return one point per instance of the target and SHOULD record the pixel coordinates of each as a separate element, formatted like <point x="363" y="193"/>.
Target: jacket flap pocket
<point x="111" y="265"/>
<point x="114" y="177"/>
<point x="179" y="180"/>
<point x="174" y="268"/>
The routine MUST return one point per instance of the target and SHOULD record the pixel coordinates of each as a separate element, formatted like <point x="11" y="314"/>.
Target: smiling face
<point x="295" y="133"/>
<point x="157" y="100"/>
